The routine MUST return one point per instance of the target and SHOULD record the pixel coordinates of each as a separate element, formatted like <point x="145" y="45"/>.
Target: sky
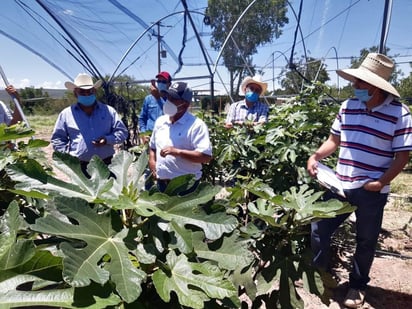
<point x="329" y="28"/>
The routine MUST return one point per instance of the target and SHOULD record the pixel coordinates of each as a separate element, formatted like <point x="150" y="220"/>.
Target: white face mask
<point x="169" y="108"/>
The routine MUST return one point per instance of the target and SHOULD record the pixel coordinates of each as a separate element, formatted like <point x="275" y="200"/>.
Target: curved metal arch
<point x="147" y="30"/>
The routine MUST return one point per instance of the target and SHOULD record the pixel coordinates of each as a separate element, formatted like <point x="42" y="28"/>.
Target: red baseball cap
<point x="165" y="75"/>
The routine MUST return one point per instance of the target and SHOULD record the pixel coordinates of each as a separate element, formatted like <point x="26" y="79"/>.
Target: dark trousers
<point x="369" y="216"/>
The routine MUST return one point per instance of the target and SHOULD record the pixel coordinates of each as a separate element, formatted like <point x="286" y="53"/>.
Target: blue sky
<point x="329" y="28"/>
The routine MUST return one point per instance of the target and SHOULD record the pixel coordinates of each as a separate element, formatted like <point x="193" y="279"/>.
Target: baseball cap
<point x="165" y="75"/>
<point x="180" y="90"/>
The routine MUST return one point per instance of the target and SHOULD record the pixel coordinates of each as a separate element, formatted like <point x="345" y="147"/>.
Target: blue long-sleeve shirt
<point x="151" y="110"/>
<point x="75" y="131"/>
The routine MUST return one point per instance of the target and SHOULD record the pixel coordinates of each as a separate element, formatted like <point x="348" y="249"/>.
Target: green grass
<point x="42" y="125"/>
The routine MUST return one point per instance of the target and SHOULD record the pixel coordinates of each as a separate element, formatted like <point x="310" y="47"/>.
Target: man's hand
<point x="169" y="150"/>
<point x="154" y="92"/>
<point x="374" y="186"/>
<point x="99" y="141"/>
<point x="312" y="166"/>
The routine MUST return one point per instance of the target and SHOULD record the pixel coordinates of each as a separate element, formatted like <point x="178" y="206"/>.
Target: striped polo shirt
<point x="239" y="111"/>
<point x="369" y="139"/>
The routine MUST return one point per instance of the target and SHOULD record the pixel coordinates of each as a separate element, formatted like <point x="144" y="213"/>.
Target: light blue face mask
<point x="162" y="86"/>
<point x="252" y="96"/>
<point x="86" y="100"/>
<point x="362" y="94"/>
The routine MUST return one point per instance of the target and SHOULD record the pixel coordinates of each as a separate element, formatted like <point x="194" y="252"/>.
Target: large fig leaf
<point x="118" y="192"/>
<point x="193" y="283"/>
<point x="11" y="297"/>
<point x="233" y="253"/>
<point x="13" y="251"/>
<point x="30" y="176"/>
<point x="83" y="264"/>
<point x="187" y="210"/>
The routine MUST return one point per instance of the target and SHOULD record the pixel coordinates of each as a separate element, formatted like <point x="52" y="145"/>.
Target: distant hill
<point x="53" y="93"/>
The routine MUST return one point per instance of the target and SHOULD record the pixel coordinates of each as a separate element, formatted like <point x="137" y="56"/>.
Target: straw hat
<point x="257" y="79"/>
<point x="376" y="69"/>
<point x="83" y="81"/>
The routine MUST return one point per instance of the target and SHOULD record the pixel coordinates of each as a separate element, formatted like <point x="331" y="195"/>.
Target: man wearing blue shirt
<point x="153" y="104"/>
<point x="88" y="127"/>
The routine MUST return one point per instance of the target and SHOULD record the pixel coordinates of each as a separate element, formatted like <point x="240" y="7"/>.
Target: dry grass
<point x="401" y="191"/>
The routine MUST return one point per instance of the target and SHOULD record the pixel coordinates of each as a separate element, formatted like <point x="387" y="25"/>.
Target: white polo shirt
<point x="190" y="133"/>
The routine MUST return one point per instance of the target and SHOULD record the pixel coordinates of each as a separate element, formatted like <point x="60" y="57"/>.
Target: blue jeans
<point x="369" y="215"/>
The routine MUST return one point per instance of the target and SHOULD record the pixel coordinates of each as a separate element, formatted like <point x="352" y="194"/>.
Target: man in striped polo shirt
<point x="373" y="132"/>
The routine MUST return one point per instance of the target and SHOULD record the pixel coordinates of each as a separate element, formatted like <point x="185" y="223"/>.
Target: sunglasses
<point x="162" y="81"/>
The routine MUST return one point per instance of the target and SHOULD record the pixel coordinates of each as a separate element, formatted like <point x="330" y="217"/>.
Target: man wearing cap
<point x="180" y="141"/>
<point x="373" y="132"/>
<point x="153" y="104"/>
<point x="250" y="109"/>
<point x="88" y="127"/>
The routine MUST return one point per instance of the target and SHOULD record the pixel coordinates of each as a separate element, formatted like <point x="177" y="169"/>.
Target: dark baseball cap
<point x="165" y="75"/>
<point x="180" y="90"/>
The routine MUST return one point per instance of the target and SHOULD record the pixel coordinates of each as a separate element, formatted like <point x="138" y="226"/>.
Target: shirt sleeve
<point x="231" y="114"/>
<point x="402" y="140"/>
<point x="5" y="114"/>
<point x="143" y="116"/>
<point x="60" y="138"/>
<point x="119" y="131"/>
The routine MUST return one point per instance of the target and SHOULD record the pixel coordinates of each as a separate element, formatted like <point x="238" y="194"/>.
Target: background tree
<point x="311" y="68"/>
<point x="261" y="24"/>
<point x="405" y="88"/>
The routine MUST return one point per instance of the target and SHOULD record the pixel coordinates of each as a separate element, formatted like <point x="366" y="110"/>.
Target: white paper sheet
<point x="327" y="178"/>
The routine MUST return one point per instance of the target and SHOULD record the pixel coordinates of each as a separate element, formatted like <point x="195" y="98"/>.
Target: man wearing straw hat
<point x="88" y="127"/>
<point x="373" y="132"/>
<point x="250" y="110"/>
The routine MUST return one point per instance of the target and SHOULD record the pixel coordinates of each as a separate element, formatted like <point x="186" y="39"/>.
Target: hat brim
<point x="250" y="80"/>
<point x="72" y="86"/>
<point x="369" y="77"/>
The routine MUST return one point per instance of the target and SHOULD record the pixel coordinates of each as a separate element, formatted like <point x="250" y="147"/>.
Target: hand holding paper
<point x="327" y="178"/>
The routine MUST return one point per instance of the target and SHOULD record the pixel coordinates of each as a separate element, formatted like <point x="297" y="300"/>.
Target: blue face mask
<point x="252" y="96"/>
<point x="162" y="86"/>
<point x="86" y="100"/>
<point x="362" y="94"/>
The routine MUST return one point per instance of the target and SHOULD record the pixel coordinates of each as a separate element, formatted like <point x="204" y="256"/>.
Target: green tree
<point x="405" y="87"/>
<point x="260" y="24"/>
<point x="309" y="69"/>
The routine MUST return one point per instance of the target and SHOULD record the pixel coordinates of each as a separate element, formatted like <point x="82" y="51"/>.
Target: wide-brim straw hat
<point x="376" y="69"/>
<point x="257" y="79"/>
<point x="83" y="81"/>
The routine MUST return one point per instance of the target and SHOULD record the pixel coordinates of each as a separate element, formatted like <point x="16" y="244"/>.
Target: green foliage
<point x="103" y="241"/>
<point x="276" y="152"/>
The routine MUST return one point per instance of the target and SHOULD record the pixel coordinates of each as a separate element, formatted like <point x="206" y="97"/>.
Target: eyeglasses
<point x="161" y="81"/>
